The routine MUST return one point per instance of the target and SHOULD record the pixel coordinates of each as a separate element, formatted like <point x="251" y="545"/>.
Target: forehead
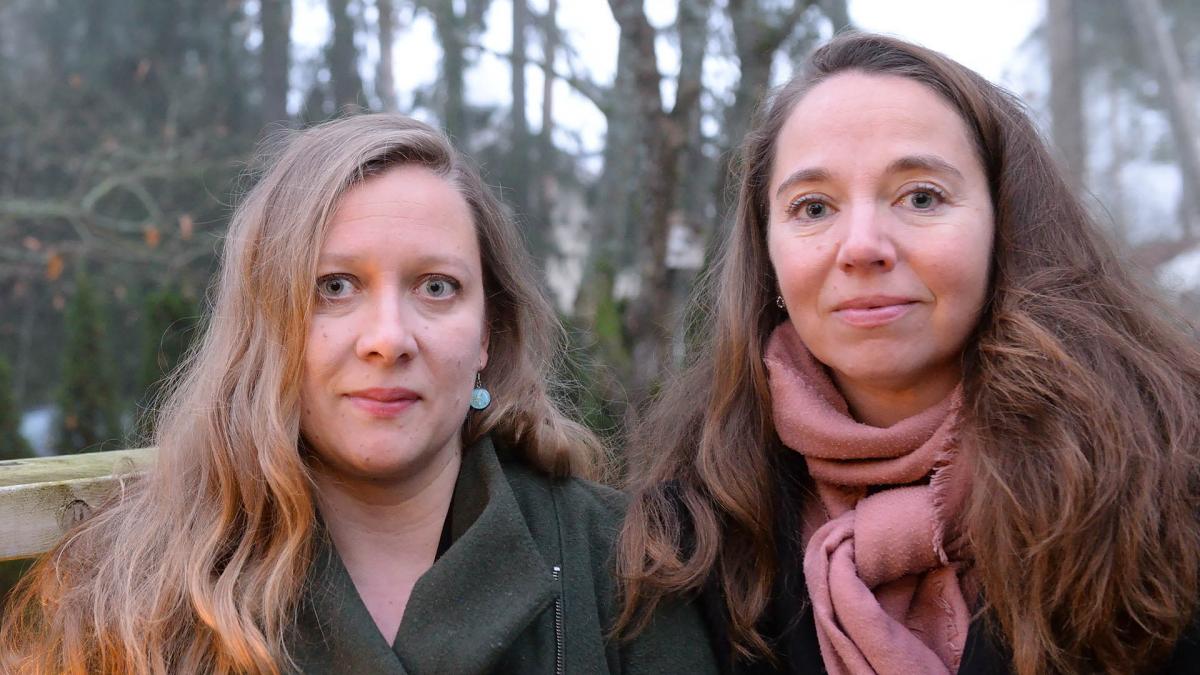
<point x="857" y="117"/>
<point x="402" y="207"/>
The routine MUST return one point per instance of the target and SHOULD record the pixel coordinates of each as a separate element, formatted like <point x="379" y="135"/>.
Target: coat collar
<point x="464" y="611"/>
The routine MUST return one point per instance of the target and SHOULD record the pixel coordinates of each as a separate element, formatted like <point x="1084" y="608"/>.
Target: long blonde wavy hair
<point x="197" y="566"/>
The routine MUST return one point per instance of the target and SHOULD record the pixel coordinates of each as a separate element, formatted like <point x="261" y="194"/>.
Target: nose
<point x="866" y="240"/>
<point x="386" y="335"/>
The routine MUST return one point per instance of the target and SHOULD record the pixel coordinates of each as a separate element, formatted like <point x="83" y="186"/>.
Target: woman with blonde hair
<point x="360" y="468"/>
<point x="936" y="427"/>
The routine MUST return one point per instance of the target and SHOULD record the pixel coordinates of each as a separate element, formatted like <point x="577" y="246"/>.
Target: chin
<point x="874" y="371"/>
<point x="377" y="467"/>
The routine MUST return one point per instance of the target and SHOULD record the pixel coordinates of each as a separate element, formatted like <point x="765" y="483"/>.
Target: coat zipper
<point x="559" y="666"/>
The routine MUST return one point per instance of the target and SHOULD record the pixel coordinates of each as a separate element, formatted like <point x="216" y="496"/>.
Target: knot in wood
<point x="74" y="513"/>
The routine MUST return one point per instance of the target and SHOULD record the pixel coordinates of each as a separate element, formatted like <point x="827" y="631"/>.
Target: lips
<point x="383" y="401"/>
<point x="873" y="311"/>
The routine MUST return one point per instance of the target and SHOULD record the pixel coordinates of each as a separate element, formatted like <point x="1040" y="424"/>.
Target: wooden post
<point x="42" y="497"/>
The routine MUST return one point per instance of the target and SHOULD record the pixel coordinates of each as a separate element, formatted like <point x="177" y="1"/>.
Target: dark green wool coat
<point x="525" y="586"/>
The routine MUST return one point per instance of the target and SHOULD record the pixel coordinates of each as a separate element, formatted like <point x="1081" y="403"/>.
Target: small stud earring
<point x="779" y="302"/>
<point x="480" y="397"/>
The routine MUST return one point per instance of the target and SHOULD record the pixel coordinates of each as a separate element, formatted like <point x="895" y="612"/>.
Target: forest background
<point x="128" y="131"/>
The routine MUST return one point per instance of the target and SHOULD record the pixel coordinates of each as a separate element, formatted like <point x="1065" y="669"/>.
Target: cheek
<point x="457" y="347"/>
<point x="972" y="264"/>
<point x="976" y="252"/>
<point x="328" y="344"/>
<point x="319" y="345"/>
<point x="797" y="266"/>
<point x="959" y="277"/>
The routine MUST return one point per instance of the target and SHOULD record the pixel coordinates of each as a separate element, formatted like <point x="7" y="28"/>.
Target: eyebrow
<point x="929" y="163"/>
<point x="429" y="260"/>
<point x="335" y="259"/>
<point x="802" y="176"/>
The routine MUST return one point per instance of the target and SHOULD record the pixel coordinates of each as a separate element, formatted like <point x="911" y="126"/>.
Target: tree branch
<point x="598" y="94"/>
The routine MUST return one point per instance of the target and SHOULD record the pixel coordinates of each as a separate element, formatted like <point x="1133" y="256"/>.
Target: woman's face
<point x="398" y="329"/>
<point x="880" y="232"/>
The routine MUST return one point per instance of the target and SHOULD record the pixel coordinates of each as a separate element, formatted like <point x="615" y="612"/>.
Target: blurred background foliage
<point x="127" y="126"/>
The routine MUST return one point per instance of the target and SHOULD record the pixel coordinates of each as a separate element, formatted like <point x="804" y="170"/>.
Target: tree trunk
<point x="1066" y="89"/>
<point x="622" y="159"/>
<point x="1118" y="150"/>
<point x="692" y="215"/>
<point x="275" y="22"/>
<point x="611" y="226"/>
<point x="545" y="176"/>
<point x="520" y="155"/>
<point x="756" y="40"/>
<point x="649" y="319"/>
<point x="343" y="58"/>
<point x="520" y="21"/>
<point x="550" y="40"/>
<point x="654" y="197"/>
<point x="451" y="36"/>
<point x="385" y="81"/>
<point x="1162" y="56"/>
<point x="838" y="13"/>
<point x="753" y="82"/>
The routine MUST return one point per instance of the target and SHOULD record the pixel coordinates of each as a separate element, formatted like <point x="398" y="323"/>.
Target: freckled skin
<point x="862" y="222"/>
<point x="406" y="310"/>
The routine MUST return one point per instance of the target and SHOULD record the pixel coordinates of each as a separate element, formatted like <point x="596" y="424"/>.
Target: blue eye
<point x="924" y="198"/>
<point x="440" y="287"/>
<point x="809" y="207"/>
<point x="334" y="286"/>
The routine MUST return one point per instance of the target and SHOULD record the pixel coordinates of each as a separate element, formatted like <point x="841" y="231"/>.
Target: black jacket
<point x="788" y="624"/>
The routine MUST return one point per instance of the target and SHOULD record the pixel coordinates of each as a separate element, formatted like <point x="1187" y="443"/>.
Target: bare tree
<point x="1163" y="58"/>
<point x="343" y="58"/>
<point x="275" y="22"/>
<point x="521" y="148"/>
<point x="550" y="42"/>
<point x="543" y="194"/>
<point x="662" y="131"/>
<point x="454" y="30"/>
<point x="1066" y="88"/>
<point x="385" y="81"/>
<point x="758" y="33"/>
<point x="838" y="13"/>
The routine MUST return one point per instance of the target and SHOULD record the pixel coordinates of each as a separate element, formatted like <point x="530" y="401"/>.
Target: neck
<point x="400" y="521"/>
<point x="883" y="405"/>
<point x="387" y="533"/>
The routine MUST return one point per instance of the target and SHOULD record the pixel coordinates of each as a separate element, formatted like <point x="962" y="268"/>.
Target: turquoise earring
<point x="480" y="397"/>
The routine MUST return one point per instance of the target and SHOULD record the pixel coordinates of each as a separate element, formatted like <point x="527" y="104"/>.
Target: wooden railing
<point x="42" y="497"/>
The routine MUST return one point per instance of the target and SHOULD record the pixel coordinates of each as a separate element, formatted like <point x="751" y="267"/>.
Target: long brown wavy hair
<point x="197" y="567"/>
<point x="1081" y="420"/>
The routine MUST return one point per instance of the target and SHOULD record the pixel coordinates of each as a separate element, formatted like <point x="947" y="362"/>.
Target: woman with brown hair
<point x="360" y="469"/>
<point x="936" y="426"/>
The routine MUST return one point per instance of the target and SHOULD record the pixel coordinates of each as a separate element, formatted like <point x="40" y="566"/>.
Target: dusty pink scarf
<point x="886" y="596"/>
